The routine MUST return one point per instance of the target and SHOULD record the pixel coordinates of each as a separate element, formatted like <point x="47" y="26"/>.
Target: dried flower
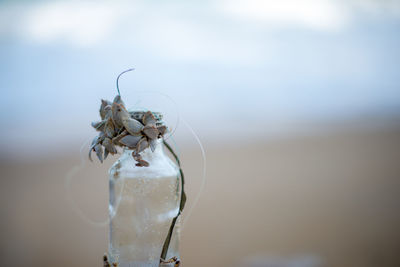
<point x="118" y="127"/>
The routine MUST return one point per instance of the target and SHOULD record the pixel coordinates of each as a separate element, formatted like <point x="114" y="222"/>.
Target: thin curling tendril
<point x="117" y="82"/>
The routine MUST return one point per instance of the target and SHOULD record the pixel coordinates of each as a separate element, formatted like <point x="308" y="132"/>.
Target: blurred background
<point x="297" y="104"/>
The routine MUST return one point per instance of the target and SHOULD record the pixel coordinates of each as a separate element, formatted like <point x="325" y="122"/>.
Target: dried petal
<point x="90" y="155"/>
<point x="132" y="126"/>
<point x="151" y="131"/>
<point x="162" y="129"/>
<point x="99" y="125"/>
<point x="149" y="119"/>
<point x="142" y="163"/>
<point x="119" y="127"/>
<point x="99" y="152"/>
<point x="119" y="137"/>
<point x="102" y="135"/>
<point x="118" y="100"/>
<point x="107" y="143"/>
<point x="108" y="110"/>
<point x="142" y="145"/>
<point x="94" y="142"/>
<point x="92" y="145"/>
<point x="173" y="262"/>
<point x="103" y="111"/>
<point x="106" y="153"/>
<point x="130" y="141"/>
<point x="105" y="261"/>
<point x="116" y="106"/>
<point x="109" y="128"/>
<point x="116" y="117"/>
<point x="153" y="144"/>
<point x="136" y="155"/>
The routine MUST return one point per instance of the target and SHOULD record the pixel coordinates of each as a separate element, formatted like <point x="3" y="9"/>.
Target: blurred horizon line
<point x="265" y="134"/>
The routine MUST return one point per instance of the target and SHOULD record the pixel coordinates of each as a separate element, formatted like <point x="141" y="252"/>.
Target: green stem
<point x="181" y="205"/>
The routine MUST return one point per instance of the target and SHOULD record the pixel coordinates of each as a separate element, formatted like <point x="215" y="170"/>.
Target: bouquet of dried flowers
<point x="118" y="127"/>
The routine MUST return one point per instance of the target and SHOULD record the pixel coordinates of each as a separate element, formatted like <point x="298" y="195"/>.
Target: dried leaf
<point x="183" y="201"/>
<point x="130" y="141"/>
<point x="151" y="131"/>
<point x="181" y="205"/>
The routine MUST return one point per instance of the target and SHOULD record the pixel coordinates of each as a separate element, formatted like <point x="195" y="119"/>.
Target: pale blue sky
<point x="268" y="65"/>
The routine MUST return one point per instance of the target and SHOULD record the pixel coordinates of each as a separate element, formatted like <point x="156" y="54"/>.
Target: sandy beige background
<point x="321" y="200"/>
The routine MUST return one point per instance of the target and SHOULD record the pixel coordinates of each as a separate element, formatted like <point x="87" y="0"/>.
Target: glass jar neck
<point x="148" y="153"/>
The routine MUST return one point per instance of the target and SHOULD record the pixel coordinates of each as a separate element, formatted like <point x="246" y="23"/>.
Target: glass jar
<point x="143" y="203"/>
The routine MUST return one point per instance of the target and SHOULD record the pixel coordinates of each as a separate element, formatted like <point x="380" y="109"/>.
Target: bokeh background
<point x="297" y="104"/>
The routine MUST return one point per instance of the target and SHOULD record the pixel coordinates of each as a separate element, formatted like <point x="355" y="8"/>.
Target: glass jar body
<point x="143" y="202"/>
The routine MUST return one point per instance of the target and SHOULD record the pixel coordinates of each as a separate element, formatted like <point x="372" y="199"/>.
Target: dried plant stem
<point x="181" y="205"/>
<point x="119" y="77"/>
